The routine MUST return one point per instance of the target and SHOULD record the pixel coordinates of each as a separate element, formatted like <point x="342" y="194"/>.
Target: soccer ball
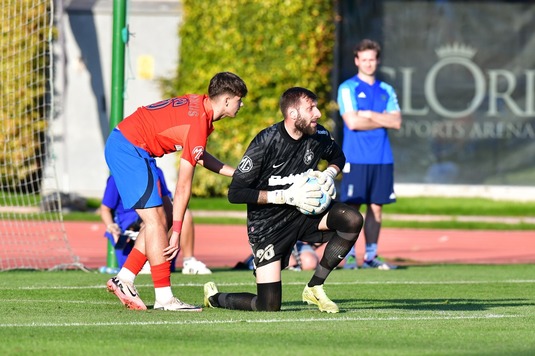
<point x="325" y="199"/>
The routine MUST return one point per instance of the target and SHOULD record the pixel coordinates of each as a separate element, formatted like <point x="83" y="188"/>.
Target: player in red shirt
<point x="178" y="124"/>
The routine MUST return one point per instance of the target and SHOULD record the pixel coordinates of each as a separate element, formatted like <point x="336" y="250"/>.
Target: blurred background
<point x="464" y="73"/>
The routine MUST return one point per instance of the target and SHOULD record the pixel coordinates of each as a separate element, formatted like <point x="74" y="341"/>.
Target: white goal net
<point x="32" y="233"/>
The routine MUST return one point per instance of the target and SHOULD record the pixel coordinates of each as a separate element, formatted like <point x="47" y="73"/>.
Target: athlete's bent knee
<point x="344" y="218"/>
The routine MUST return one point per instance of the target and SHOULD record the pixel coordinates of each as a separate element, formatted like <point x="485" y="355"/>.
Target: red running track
<point x="225" y="245"/>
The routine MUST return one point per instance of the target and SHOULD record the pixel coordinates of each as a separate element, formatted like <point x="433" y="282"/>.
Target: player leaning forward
<point x="182" y="123"/>
<point x="271" y="180"/>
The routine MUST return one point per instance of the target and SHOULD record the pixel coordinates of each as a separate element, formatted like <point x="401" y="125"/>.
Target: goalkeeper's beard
<point x="302" y="125"/>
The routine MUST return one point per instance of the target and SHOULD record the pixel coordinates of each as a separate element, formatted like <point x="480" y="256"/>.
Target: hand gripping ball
<point x="324" y="200"/>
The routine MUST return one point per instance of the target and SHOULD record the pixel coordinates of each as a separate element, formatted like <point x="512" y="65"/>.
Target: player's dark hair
<point x="291" y="97"/>
<point x="226" y="83"/>
<point x="366" y="45"/>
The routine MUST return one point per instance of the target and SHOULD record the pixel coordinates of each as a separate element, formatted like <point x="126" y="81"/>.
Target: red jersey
<point x="182" y="123"/>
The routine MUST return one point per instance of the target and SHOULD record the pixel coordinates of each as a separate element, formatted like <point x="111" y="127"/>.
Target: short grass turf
<point x="417" y="310"/>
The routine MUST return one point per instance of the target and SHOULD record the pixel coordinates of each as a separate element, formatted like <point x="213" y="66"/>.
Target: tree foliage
<point x="24" y="68"/>
<point x="273" y="45"/>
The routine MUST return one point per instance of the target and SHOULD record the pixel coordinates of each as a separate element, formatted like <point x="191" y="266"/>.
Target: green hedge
<point x="273" y="45"/>
<point x="24" y="92"/>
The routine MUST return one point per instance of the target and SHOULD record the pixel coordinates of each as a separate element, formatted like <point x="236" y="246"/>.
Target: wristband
<point x="275" y="197"/>
<point x="331" y="172"/>
<point x="177" y="226"/>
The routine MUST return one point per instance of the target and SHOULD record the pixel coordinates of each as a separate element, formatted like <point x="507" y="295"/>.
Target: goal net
<point x="32" y="233"/>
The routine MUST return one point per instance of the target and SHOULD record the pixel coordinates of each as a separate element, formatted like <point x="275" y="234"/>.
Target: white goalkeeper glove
<point x="326" y="180"/>
<point x="302" y="195"/>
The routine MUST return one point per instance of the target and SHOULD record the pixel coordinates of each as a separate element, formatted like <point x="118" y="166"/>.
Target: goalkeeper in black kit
<point x="274" y="180"/>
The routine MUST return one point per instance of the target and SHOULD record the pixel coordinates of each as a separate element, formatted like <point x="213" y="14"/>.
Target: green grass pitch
<point x="418" y="310"/>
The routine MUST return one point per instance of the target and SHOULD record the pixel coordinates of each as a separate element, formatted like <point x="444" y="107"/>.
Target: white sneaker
<point x="194" y="266"/>
<point x="176" y="304"/>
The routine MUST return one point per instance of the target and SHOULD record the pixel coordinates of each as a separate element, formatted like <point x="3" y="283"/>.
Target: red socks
<point x="135" y="261"/>
<point x="161" y="275"/>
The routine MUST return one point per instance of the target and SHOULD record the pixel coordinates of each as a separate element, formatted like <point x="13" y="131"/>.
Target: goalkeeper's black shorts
<point x="279" y="245"/>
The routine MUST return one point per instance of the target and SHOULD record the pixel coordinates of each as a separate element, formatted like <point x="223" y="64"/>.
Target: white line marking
<point x="103" y="286"/>
<point x="260" y="321"/>
<point x="58" y="301"/>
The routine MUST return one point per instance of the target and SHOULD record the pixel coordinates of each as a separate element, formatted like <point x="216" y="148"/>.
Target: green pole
<point x="120" y="38"/>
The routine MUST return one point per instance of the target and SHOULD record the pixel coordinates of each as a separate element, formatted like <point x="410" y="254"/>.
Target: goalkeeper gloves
<point x="326" y="180"/>
<point x="300" y="194"/>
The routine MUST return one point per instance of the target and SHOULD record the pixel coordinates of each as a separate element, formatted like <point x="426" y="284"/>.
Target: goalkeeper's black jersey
<point x="272" y="161"/>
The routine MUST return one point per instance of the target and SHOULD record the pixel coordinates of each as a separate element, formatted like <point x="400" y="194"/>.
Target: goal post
<point x="32" y="233"/>
<point x="119" y="40"/>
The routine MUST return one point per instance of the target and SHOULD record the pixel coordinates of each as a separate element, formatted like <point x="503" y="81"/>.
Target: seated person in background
<point x="303" y="257"/>
<point x="118" y="220"/>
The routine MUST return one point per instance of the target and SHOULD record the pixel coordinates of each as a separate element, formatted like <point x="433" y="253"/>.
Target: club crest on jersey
<point x="197" y="153"/>
<point x="309" y="156"/>
<point x="246" y="164"/>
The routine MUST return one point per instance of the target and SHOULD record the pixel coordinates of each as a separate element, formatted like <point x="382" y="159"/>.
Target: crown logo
<point x="455" y="50"/>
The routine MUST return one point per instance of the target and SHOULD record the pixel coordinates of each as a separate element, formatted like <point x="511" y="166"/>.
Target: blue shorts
<point x="368" y="184"/>
<point x="134" y="172"/>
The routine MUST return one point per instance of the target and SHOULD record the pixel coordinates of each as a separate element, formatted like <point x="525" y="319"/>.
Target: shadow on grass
<point x="439" y="304"/>
<point x="418" y="304"/>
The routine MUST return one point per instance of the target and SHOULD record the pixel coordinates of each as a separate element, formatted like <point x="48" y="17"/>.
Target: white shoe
<point x="194" y="266"/>
<point x="176" y="304"/>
